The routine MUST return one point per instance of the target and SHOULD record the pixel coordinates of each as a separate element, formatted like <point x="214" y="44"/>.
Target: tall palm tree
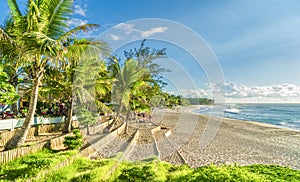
<point x="42" y="33"/>
<point x="128" y="79"/>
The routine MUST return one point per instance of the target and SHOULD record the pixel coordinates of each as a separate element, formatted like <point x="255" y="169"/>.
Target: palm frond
<point x="14" y="9"/>
<point x="54" y="14"/>
<point x="102" y="107"/>
<point x="5" y="37"/>
<point x="87" y="49"/>
<point x="84" y="28"/>
<point x="32" y="16"/>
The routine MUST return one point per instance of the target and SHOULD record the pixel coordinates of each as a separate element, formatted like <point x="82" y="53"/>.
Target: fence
<point x="10" y="155"/>
<point x="11" y="124"/>
<point x="54" y="144"/>
<point x="7" y="135"/>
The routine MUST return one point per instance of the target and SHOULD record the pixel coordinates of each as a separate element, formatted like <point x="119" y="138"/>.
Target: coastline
<point x="192" y="109"/>
<point x="236" y="141"/>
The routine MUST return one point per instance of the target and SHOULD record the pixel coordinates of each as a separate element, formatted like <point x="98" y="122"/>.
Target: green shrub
<point x="136" y="174"/>
<point x="38" y="163"/>
<point x="274" y="172"/>
<point x="74" y="142"/>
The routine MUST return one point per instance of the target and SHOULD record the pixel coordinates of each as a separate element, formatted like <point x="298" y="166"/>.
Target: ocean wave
<point x="283" y="123"/>
<point x="282" y="110"/>
<point x="287" y="116"/>
<point x="289" y="125"/>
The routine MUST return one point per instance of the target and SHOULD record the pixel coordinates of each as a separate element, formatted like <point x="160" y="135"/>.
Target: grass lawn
<point x="30" y="165"/>
<point x="83" y="169"/>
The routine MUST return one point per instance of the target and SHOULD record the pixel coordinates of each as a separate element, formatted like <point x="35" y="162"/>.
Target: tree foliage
<point x="200" y="101"/>
<point x="8" y="93"/>
<point x="39" y="37"/>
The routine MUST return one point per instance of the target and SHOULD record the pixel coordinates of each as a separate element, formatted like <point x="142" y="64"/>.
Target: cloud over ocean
<point x="289" y="93"/>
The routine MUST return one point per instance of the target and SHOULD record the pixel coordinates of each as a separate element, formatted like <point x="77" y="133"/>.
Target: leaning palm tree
<point x="129" y="78"/>
<point x="42" y="33"/>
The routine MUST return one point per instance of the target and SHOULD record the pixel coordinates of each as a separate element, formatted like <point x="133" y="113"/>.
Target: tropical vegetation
<point x="41" y="38"/>
<point x="199" y="101"/>
<point x="83" y="169"/>
<point x="41" y="51"/>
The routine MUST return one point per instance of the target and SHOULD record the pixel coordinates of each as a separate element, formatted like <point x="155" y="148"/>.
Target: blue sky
<point x="257" y="42"/>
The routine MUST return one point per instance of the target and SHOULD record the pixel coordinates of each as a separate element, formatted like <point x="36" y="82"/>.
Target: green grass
<point x="98" y="170"/>
<point x="83" y="169"/>
<point x="30" y="165"/>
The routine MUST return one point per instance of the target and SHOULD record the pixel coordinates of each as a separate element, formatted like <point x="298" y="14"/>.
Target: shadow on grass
<point x="13" y="174"/>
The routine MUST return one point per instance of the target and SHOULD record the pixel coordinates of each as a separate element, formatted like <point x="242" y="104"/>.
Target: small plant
<point x="144" y="174"/>
<point x="74" y="142"/>
<point x="38" y="163"/>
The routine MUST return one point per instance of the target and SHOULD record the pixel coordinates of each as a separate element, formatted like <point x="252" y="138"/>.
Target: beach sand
<point x="232" y="141"/>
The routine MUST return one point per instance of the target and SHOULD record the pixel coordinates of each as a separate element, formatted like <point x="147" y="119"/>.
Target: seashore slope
<point x="235" y="141"/>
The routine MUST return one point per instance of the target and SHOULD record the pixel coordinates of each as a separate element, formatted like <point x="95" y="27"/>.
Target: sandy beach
<point x="236" y="141"/>
<point x="197" y="140"/>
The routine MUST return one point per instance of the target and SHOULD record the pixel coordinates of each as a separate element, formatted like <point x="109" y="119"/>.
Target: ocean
<point x="282" y="115"/>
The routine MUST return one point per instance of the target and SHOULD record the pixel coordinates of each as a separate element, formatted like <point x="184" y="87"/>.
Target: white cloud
<point x="255" y="94"/>
<point x="74" y="22"/>
<point x="79" y="10"/>
<point x="114" y="37"/>
<point x="129" y="29"/>
<point x="203" y="93"/>
<point x="152" y="31"/>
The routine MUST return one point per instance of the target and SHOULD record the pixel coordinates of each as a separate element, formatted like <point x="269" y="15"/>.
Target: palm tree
<point x="137" y="81"/>
<point x="103" y="88"/>
<point x="60" y="83"/>
<point x="128" y="79"/>
<point x="90" y="83"/>
<point x="83" y="58"/>
<point x="42" y="34"/>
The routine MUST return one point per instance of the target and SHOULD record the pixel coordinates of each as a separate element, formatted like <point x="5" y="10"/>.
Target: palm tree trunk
<point x="14" y="81"/>
<point x="68" y="122"/>
<point x="88" y="129"/>
<point x="21" y="135"/>
<point x="126" y="121"/>
<point x="119" y="109"/>
<point x="15" y="108"/>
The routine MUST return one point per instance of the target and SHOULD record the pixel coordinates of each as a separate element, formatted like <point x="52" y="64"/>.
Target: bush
<point x="74" y="142"/>
<point x="134" y="174"/>
<point x="38" y="163"/>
